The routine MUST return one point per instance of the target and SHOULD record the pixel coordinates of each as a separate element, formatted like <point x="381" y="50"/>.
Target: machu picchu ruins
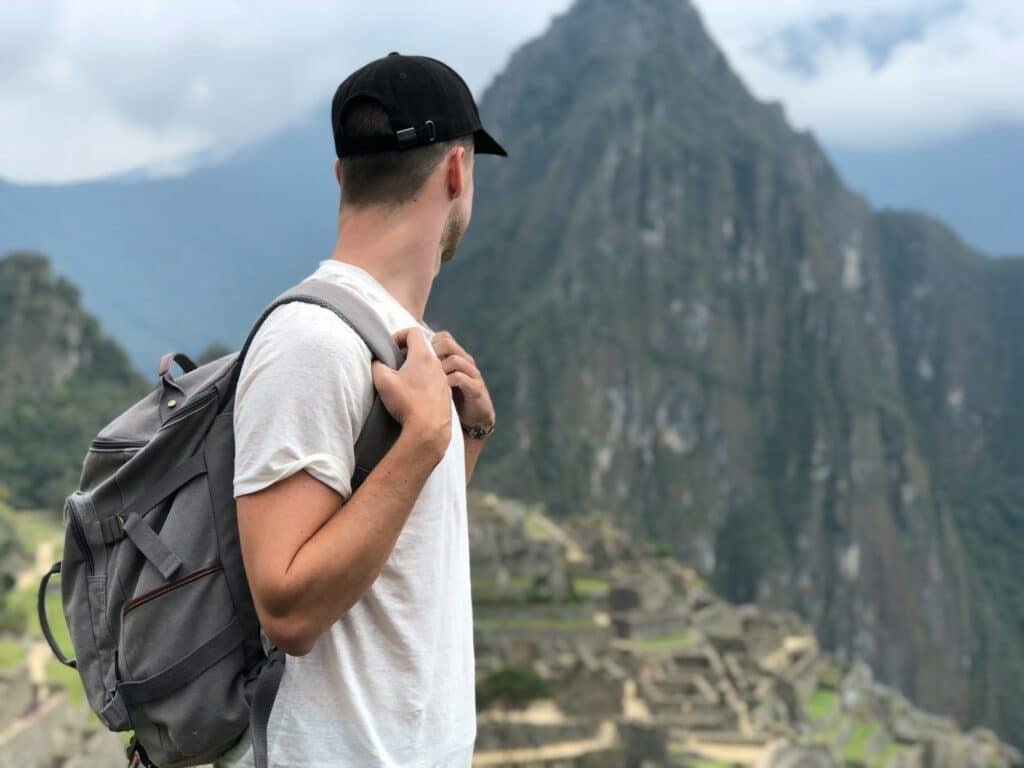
<point x="595" y="650"/>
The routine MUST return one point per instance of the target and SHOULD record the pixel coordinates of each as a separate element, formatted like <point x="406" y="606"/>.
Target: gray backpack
<point x="165" y="634"/>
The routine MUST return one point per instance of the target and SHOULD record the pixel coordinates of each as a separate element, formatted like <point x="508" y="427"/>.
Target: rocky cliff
<point x="689" y="324"/>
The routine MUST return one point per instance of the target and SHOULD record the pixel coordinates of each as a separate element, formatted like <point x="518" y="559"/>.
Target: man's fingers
<point x="445" y="344"/>
<point x="468" y="385"/>
<point x="460" y="363"/>
<point x="412" y="339"/>
<point x="382" y="375"/>
<point x="401" y="336"/>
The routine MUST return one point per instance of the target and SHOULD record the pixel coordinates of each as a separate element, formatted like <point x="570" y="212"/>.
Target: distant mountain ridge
<point x="176" y="263"/>
<point x="688" y="323"/>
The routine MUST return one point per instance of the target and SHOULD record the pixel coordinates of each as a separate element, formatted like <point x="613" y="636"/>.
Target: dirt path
<point x="566" y="750"/>
<point x="44" y="557"/>
<point x="14" y="729"/>
<point x="738" y="754"/>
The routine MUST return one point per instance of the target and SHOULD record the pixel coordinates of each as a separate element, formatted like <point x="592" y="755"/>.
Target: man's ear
<point x="455" y="172"/>
<point x="337" y="171"/>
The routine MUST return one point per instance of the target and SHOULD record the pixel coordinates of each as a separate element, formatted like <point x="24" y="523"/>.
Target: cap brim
<point x="484" y="144"/>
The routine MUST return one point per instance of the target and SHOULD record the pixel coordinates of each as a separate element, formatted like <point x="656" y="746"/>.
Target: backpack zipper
<point x="114" y="444"/>
<point x="170" y="586"/>
<point x="79" y="534"/>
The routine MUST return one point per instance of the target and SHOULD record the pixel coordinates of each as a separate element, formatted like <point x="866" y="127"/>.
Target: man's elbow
<point x="290" y="633"/>
<point x="292" y="629"/>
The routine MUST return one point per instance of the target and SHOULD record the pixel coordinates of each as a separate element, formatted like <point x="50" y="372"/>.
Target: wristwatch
<point x="478" y="433"/>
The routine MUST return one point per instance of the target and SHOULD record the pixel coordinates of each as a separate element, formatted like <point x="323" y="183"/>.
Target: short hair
<point x="386" y="178"/>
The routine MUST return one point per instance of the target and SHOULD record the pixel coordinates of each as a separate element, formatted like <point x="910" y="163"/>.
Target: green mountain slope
<point x="689" y="323"/>
<point x="60" y="382"/>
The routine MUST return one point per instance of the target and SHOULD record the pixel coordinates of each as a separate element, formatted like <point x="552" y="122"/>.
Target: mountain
<point x="690" y="324"/>
<point x="595" y="650"/>
<point x="61" y="381"/>
<point x="177" y="263"/>
<point x="963" y="181"/>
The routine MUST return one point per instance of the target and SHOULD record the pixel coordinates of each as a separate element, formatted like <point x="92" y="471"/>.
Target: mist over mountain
<point x="688" y="323"/>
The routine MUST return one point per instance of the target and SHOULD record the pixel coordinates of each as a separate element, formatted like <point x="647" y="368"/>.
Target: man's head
<point x="406" y="130"/>
<point x="395" y="178"/>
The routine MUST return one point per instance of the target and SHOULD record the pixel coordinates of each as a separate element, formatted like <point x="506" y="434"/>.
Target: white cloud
<point x="958" y="72"/>
<point x="90" y="88"/>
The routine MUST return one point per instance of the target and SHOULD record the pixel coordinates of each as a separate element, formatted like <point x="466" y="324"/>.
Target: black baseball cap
<point x="425" y="100"/>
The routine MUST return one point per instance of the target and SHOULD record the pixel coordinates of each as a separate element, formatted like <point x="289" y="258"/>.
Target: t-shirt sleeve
<point x="303" y="394"/>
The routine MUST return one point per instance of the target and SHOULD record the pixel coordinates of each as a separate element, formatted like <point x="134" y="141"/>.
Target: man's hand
<point x="309" y="554"/>
<point x="417" y="394"/>
<point x="472" y="400"/>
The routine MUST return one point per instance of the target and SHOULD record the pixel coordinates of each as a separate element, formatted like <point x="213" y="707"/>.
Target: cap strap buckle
<point x="410" y="137"/>
<point x="406" y="137"/>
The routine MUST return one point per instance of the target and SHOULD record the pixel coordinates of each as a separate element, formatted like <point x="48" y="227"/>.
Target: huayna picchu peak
<point x="691" y="325"/>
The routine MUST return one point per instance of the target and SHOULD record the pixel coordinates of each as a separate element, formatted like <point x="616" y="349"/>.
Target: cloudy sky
<point x="90" y="89"/>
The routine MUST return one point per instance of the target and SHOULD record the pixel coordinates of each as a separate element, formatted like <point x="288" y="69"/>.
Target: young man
<point x="369" y="592"/>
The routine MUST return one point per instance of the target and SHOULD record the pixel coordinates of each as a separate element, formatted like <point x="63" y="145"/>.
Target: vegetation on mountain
<point x="688" y="323"/>
<point x="61" y="381"/>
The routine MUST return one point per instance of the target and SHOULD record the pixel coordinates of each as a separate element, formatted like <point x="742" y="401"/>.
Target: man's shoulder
<point x="302" y="342"/>
<point x="307" y="331"/>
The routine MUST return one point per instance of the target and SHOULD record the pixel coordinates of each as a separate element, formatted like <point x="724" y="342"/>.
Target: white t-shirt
<point x="391" y="683"/>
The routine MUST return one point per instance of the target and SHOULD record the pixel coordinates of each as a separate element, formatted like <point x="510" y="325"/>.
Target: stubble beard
<point x="451" y="235"/>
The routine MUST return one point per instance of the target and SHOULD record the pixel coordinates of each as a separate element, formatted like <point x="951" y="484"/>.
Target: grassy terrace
<point x="535" y="624"/>
<point x="586" y="587"/>
<point x="32" y="527"/>
<point x="12" y="653"/>
<point x="519" y="590"/>
<point x="822" y="703"/>
<point x="858" y="743"/>
<point x="666" y="642"/>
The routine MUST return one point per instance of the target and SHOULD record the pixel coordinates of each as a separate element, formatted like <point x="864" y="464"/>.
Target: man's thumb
<point x="383" y="377"/>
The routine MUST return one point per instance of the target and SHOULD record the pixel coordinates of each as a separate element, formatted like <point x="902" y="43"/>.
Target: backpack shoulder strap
<point x="379" y="430"/>
<point x="345" y="304"/>
<point x="378" y="433"/>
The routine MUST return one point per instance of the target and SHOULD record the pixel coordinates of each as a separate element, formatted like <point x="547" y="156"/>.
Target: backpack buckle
<point x="112" y="528"/>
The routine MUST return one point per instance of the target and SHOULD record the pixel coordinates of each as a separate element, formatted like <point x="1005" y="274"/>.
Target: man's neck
<point x="399" y="248"/>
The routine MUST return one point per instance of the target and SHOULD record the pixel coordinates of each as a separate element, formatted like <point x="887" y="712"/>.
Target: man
<point x="369" y="592"/>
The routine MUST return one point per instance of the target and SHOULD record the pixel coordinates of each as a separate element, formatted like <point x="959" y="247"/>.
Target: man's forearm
<point x="473" y="450"/>
<point x="339" y="562"/>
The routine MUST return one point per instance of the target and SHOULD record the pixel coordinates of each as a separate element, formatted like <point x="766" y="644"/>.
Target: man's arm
<point x="308" y="555"/>
<point x="473" y="449"/>
<point x="469" y="391"/>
